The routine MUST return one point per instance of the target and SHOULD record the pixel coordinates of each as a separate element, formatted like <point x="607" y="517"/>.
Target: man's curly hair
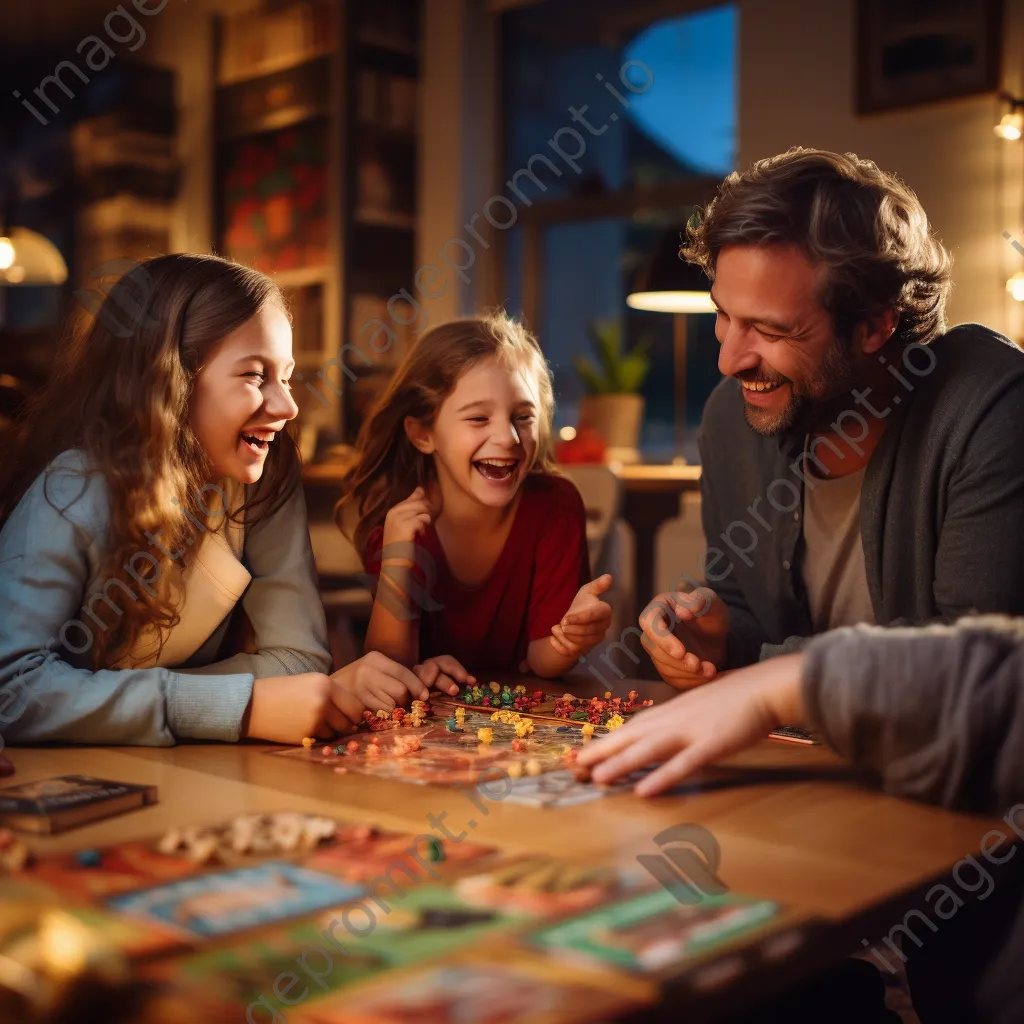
<point x="866" y="228"/>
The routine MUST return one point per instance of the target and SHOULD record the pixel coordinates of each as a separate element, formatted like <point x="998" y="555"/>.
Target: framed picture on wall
<point x="924" y="51"/>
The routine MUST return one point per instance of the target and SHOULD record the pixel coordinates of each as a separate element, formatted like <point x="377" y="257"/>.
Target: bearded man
<point x="861" y="462"/>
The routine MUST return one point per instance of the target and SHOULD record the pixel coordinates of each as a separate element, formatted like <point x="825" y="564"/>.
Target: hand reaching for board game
<point x="443" y="672"/>
<point x="284" y="709"/>
<point x="585" y="623"/>
<point x="375" y="682"/>
<point x="701" y="726"/>
<point x="685" y="635"/>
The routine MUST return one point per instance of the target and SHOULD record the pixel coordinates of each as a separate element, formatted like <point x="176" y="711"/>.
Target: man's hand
<point x="685" y="635"/>
<point x="585" y="623"/>
<point x="705" y="725"/>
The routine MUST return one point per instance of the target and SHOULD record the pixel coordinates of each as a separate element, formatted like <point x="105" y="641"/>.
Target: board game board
<point x="527" y="737"/>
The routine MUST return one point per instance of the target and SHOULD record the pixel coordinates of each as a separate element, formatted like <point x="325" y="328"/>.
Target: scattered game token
<point x="515" y="770"/>
<point x="308" y="741"/>
<point x="327" y="750"/>
<point x="485" y="736"/>
<point x="533" y="767"/>
<point x="587" y="730"/>
<point x="435" y="851"/>
<point x="451" y="725"/>
<point x="88" y="858"/>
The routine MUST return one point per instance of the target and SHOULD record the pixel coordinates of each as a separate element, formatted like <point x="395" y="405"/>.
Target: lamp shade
<point x="26" y="257"/>
<point x="668" y="284"/>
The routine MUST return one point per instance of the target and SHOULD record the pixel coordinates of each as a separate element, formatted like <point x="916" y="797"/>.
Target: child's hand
<point x="585" y="623"/>
<point x="285" y="709"/>
<point x="408" y="519"/>
<point x="443" y="673"/>
<point x="375" y="682"/>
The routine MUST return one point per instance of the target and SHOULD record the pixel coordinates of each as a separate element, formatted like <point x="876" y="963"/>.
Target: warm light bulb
<point x="1015" y="286"/>
<point x="6" y="253"/>
<point x="567" y="433"/>
<point x="1010" y="126"/>
<point x="15" y="275"/>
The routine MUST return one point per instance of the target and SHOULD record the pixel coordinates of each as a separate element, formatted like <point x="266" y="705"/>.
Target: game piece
<point x="372" y="750"/>
<point x="607" y="694"/>
<point x="88" y="858"/>
<point x="327" y="750"/>
<point x="515" y="770"/>
<point x="533" y="767"/>
<point x="485" y="735"/>
<point x="451" y="725"/>
<point x="494" y="687"/>
<point x="523" y="728"/>
<point x="435" y="851"/>
<point x="352" y="746"/>
<point x="308" y="741"/>
<point x="614" y="722"/>
<point x="587" y="730"/>
<point x="517" y="746"/>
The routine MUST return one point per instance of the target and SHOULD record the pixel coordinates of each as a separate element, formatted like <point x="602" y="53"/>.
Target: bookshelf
<point x="315" y="167"/>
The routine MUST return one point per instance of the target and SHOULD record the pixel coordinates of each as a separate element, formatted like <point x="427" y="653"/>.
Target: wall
<point x="797" y="82"/>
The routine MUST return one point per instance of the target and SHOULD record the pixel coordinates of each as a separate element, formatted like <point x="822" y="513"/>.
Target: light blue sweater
<point x="49" y="566"/>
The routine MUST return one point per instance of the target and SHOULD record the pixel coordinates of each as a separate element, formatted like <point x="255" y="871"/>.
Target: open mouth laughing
<point x="496" y="470"/>
<point x="257" y="441"/>
<point x="760" y="386"/>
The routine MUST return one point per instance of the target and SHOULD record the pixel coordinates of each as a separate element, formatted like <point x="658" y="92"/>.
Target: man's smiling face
<point x="776" y="338"/>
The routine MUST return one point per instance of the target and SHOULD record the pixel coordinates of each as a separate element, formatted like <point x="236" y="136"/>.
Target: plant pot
<point x="617" y="418"/>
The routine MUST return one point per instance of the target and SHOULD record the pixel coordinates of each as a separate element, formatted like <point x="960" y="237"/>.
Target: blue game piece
<point x="451" y="725"/>
<point x="88" y="858"/>
<point x="565" y="728"/>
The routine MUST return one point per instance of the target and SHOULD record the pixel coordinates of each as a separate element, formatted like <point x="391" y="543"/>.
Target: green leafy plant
<point x="616" y="372"/>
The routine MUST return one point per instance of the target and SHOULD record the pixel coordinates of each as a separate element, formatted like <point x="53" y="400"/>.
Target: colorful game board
<point x="444" y="752"/>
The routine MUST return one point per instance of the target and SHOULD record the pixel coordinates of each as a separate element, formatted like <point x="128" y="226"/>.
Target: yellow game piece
<point x="382" y="714"/>
<point x="615" y="721"/>
<point x="515" y="770"/>
<point x="533" y="767"/>
<point x="520" y="688"/>
<point x="308" y="741"/>
<point x="607" y="694"/>
<point x="523" y="728"/>
<point x="485" y="735"/>
<point x="588" y="730"/>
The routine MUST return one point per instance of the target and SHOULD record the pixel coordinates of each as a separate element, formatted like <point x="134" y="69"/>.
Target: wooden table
<point x="793" y="825"/>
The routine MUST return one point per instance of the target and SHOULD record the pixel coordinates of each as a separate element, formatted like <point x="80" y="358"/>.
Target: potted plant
<point x="612" y="405"/>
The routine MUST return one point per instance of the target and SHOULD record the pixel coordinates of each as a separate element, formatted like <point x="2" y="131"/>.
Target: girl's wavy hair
<point x="119" y="393"/>
<point x="388" y="467"/>
<point x="866" y="228"/>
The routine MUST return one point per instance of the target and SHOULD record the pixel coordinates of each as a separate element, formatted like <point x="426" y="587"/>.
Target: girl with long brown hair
<point x="151" y="509"/>
<point x="480" y="547"/>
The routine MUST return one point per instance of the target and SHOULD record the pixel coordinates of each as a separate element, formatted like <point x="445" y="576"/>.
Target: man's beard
<point x="811" y="401"/>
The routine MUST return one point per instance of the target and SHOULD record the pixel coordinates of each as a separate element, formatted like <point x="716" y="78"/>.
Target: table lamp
<point x="669" y="284"/>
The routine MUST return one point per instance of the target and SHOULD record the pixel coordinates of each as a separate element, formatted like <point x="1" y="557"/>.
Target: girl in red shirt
<point x="479" y="548"/>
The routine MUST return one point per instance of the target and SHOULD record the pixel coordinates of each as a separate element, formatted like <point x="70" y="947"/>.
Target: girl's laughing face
<point x="242" y="396"/>
<point x="485" y="437"/>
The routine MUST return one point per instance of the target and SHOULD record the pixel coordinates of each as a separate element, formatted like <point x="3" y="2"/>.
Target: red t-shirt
<point x="543" y="564"/>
